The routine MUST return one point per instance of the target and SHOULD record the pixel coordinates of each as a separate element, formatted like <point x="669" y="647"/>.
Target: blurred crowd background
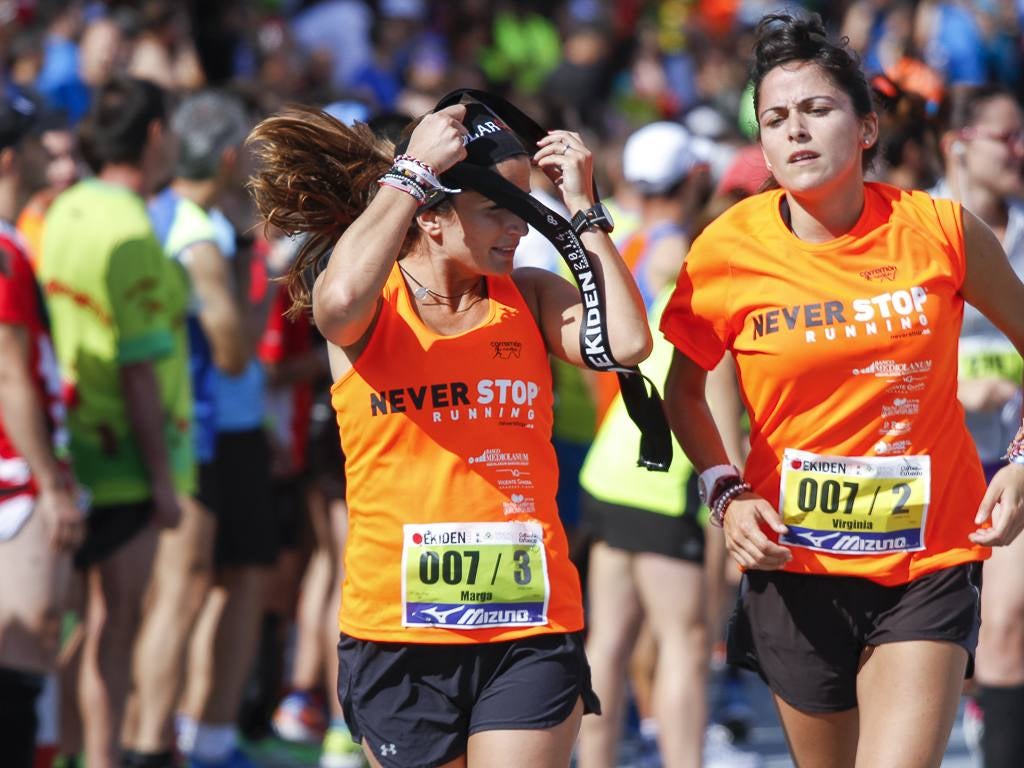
<point x="605" y="68"/>
<point x="600" y="66"/>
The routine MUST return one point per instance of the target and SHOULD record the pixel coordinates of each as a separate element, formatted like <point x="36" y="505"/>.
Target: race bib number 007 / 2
<point x="474" y="575"/>
<point x="860" y="505"/>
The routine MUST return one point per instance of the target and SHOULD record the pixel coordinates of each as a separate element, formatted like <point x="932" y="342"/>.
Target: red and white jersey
<point x="21" y="304"/>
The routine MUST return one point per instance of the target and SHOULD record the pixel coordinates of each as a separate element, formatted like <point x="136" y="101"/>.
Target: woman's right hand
<point x="744" y="538"/>
<point x="438" y="139"/>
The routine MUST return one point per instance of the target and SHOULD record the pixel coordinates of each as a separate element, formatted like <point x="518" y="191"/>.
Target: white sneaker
<point x="720" y="752"/>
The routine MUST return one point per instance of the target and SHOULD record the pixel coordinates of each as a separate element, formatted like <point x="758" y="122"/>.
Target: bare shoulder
<point x="979" y="239"/>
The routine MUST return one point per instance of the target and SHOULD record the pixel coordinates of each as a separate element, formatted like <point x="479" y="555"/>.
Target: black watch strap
<point x="593" y="217"/>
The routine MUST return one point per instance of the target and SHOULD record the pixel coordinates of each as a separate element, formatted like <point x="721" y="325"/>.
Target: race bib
<point x="474" y="575"/>
<point x="996" y="359"/>
<point x="854" y="506"/>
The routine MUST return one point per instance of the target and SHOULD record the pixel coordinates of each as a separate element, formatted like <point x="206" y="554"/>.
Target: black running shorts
<point x="110" y="527"/>
<point x="804" y="634"/>
<point x="419" y="704"/>
<point x="239" y="494"/>
<point x="641" y="531"/>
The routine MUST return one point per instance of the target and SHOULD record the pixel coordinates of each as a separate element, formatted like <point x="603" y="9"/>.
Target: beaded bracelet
<point x="416" y="179"/>
<point x="404" y="184"/>
<point x="423" y="172"/>
<point x="426" y="167"/>
<point x="1015" y="450"/>
<point x="723" y="500"/>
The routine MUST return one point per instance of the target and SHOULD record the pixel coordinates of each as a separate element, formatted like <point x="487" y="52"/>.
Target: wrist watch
<point x="713" y="478"/>
<point x="596" y="216"/>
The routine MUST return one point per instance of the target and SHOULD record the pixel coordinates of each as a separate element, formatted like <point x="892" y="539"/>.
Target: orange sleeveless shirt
<point x="846" y="353"/>
<point x="454" y="534"/>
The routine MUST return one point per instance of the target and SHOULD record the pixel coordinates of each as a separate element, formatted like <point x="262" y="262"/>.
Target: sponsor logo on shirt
<point x="496" y="457"/>
<point x="895" y="312"/>
<point x="508" y="401"/>
<point x="891" y="369"/>
<point x="886" y="448"/>
<point x="519" y="505"/>
<point x="895" y="427"/>
<point x="514" y="478"/>
<point x="885" y="273"/>
<point x="506" y="350"/>
<point x="901" y="406"/>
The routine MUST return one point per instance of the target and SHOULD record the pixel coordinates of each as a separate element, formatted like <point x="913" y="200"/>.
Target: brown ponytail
<point x="316" y="176"/>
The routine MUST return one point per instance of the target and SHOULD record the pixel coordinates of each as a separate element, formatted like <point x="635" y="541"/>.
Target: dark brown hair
<point x="117" y="126"/>
<point x="784" y="38"/>
<point x="316" y="176"/>
<point x="963" y="103"/>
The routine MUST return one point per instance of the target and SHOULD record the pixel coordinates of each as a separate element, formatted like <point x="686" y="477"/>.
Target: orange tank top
<point x="846" y="353"/>
<point x="454" y="534"/>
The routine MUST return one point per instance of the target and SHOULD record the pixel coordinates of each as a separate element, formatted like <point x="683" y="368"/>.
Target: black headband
<point x="644" y="407"/>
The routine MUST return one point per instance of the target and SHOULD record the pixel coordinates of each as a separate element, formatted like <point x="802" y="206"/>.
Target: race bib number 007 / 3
<point x="860" y="505"/>
<point x="474" y="575"/>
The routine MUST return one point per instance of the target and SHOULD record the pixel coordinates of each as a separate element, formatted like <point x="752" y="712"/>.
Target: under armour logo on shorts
<point x="388" y="749"/>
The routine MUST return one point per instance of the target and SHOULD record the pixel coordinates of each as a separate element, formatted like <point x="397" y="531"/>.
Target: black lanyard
<point x="644" y="407"/>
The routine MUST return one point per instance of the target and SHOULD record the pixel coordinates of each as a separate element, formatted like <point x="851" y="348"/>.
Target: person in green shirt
<point x="115" y="303"/>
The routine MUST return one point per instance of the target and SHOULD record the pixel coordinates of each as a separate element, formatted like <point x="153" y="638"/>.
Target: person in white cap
<point x="662" y="163"/>
<point x="646" y="527"/>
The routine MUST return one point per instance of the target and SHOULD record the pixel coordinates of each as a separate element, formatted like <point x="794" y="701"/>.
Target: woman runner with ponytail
<point x="461" y="612"/>
<point x="862" y="513"/>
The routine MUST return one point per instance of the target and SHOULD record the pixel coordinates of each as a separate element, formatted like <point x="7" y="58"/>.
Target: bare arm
<point x="219" y="314"/>
<point x="141" y="394"/>
<point x="559" y="309"/>
<point x="723" y="398"/>
<point x="346" y="294"/>
<point x="23" y="416"/>
<point x="694" y="427"/>
<point x="991" y="285"/>
<point x="690" y="416"/>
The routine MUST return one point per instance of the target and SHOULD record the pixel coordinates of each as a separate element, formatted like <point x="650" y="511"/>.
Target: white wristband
<point x="710" y="476"/>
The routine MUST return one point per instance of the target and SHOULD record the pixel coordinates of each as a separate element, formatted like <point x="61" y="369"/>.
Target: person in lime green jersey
<point x="646" y="562"/>
<point x="115" y="302"/>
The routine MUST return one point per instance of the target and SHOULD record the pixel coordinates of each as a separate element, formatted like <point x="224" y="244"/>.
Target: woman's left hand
<point x="569" y="164"/>
<point x="1004" y="504"/>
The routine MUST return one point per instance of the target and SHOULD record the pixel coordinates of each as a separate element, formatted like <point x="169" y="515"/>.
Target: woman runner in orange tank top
<point x="461" y="612"/>
<point x="862" y="511"/>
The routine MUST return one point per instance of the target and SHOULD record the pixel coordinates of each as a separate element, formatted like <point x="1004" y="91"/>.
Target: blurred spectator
<point x="226" y="523"/>
<point x="337" y="33"/>
<point x="983" y="152"/>
<point x="948" y="33"/>
<point x="576" y="90"/>
<point x="40" y="519"/>
<point x="52" y="165"/>
<point x="24" y="59"/>
<point x="745" y="175"/>
<point x="104" y="51"/>
<point x="395" y="34"/>
<point x="116" y="304"/>
<point x="909" y="155"/>
<point x="525" y="46"/>
<point x="163" y="51"/>
<point x="661" y="162"/>
<point x="59" y="80"/>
